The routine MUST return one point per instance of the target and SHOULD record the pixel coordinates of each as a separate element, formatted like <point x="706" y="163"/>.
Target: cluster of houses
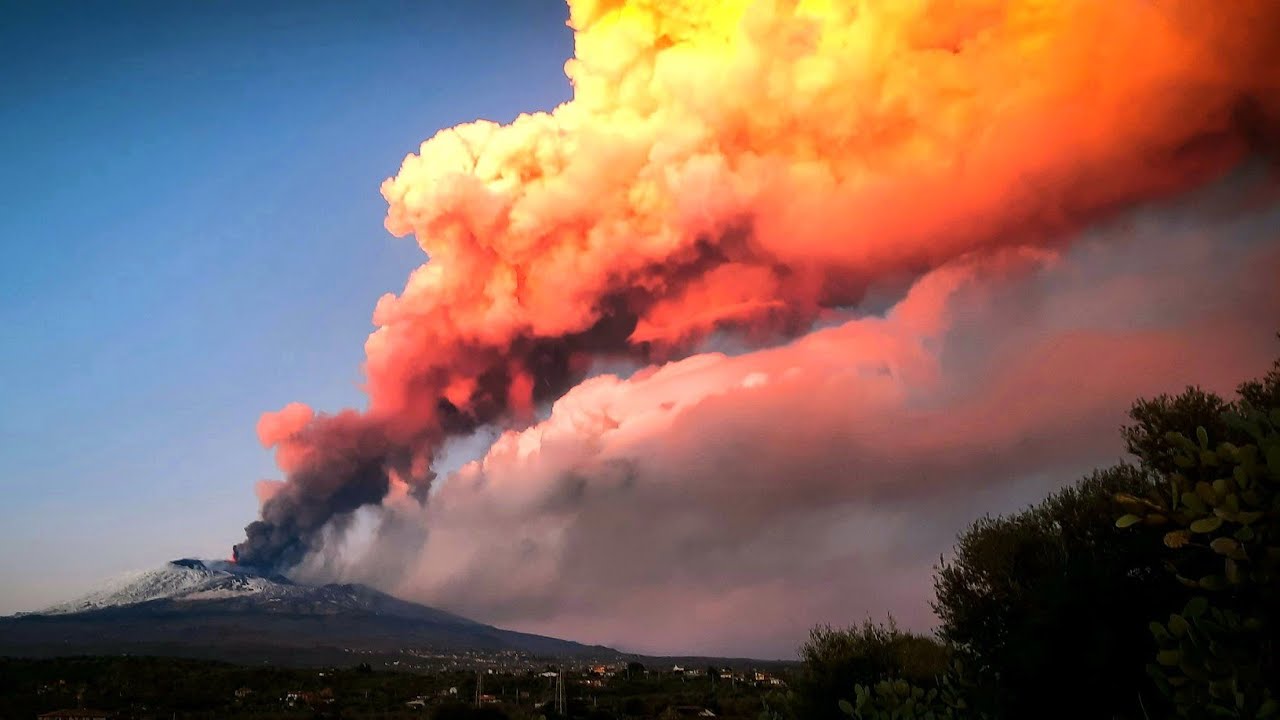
<point x="592" y="676"/>
<point x="295" y="698"/>
<point x="755" y="678"/>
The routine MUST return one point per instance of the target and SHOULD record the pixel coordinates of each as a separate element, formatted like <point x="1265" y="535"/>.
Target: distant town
<point x="423" y="684"/>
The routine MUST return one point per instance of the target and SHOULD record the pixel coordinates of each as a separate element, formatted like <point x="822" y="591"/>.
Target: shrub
<point x="834" y="659"/>
<point x="1216" y="514"/>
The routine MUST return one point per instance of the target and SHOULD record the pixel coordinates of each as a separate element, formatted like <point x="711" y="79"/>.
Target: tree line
<point x="1145" y="590"/>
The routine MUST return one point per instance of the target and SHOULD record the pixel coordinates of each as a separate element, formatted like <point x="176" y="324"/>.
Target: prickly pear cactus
<point x="1208" y="663"/>
<point x="1218" y="517"/>
<point x="897" y="699"/>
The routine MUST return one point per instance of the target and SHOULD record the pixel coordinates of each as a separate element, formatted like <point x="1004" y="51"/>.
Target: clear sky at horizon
<point x="192" y="231"/>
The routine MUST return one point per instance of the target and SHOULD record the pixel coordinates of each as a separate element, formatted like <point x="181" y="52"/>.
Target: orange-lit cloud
<point x="820" y="480"/>
<point x="746" y="167"/>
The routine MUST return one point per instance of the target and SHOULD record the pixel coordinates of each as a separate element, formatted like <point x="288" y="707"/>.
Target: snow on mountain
<point x="211" y="608"/>
<point x="185" y="579"/>
<point x="189" y="583"/>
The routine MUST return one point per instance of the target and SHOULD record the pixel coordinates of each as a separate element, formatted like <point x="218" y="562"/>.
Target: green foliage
<point x="1055" y="598"/>
<point x="1153" y="420"/>
<point x="893" y="699"/>
<point x="898" y="699"/>
<point x="140" y="687"/>
<point x="1217" y="510"/>
<point x="836" y="658"/>
<point x="1263" y="392"/>
<point x="1051" y="608"/>
<point x="1208" y="663"/>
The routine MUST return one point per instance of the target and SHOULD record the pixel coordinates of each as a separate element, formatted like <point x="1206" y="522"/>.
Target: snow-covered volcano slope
<point x="218" y="609"/>
<point x="193" y="582"/>
<point x="185" y="579"/>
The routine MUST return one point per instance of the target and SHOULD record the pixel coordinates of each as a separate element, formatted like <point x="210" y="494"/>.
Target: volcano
<point x="218" y="610"/>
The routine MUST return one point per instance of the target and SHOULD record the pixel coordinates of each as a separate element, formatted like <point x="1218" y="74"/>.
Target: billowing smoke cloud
<point x="748" y="168"/>
<point x="723" y="504"/>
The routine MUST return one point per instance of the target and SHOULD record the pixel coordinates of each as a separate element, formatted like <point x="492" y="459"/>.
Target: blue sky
<point x="192" y="234"/>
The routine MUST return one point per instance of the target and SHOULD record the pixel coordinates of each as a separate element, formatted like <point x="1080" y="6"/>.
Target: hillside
<point x="217" y="610"/>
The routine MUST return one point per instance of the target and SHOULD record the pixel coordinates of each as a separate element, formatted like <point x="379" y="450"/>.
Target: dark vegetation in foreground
<point x="165" y="688"/>
<point x="1144" y="591"/>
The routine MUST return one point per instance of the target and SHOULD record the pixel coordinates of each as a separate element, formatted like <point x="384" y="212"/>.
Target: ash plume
<point x="750" y="167"/>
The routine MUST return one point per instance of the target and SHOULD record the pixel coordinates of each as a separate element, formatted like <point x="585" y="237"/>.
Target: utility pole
<point x="560" y="700"/>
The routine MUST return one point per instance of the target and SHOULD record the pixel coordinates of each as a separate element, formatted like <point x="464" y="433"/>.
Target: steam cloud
<point x="753" y="169"/>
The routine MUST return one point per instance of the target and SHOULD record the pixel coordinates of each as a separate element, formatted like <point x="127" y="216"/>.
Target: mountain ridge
<point x="219" y="610"/>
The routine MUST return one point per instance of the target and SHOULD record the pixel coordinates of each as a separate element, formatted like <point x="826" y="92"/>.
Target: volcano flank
<point x="218" y="610"/>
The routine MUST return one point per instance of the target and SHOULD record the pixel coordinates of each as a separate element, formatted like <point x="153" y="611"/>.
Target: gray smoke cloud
<point x="725" y="504"/>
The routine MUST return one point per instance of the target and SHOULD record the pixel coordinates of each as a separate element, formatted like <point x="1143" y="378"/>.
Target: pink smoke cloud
<point x="724" y="504"/>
